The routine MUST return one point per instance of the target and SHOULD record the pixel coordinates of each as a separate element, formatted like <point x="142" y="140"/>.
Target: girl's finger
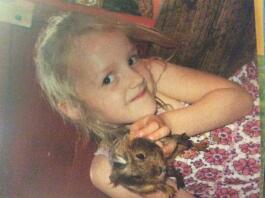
<point x="143" y="122"/>
<point x="146" y="130"/>
<point x="169" y="148"/>
<point x="135" y="128"/>
<point x="150" y="128"/>
<point x="160" y="133"/>
<point x="138" y="125"/>
<point x="159" y="143"/>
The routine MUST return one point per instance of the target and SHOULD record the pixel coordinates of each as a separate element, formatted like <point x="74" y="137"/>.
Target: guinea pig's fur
<point x="140" y="166"/>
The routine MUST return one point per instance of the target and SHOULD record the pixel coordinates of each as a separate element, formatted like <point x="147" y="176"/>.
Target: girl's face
<point x="110" y="78"/>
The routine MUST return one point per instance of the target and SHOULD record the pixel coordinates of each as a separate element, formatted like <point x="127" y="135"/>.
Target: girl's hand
<point x="153" y="128"/>
<point x="179" y="193"/>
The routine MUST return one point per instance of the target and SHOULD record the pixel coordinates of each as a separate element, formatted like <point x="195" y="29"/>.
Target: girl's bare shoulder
<point x="184" y="83"/>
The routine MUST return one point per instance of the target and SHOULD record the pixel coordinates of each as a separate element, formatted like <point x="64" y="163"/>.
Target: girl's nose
<point x="136" y="79"/>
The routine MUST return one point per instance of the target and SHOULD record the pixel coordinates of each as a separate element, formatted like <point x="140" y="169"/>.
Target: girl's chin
<point x="136" y="114"/>
<point x="145" y="111"/>
<point x="132" y="114"/>
<point x="146" y="105"/>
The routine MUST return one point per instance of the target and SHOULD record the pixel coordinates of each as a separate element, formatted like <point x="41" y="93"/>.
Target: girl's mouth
<point x="139" y="95"/>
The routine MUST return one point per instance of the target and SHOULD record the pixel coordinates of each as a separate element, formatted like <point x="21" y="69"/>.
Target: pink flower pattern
<point x="254" y="195"/>
<point x="222" y="136"/>
<point x="252" y="73"/>
<point x="252" y="128"/>
<point x="184" y="168"/>
<point x="247" y="166"/>
<point x="250" y="148"/>
<point x="234" y="181"/>
<point x="216" y="156"/>
<point x="231" y="165"/>
<point x="198" y="163"/>
<point x="208" y="174"/>
<point x="199" y="188"/>
<point x="255" y="110"/>
<point x="226" y="193"/>
<point x="248" y="188"/>
<point x="253" y="90"/>
<point x="238" y="138"/>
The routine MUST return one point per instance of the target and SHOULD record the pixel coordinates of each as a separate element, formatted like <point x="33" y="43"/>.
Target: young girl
<point x="93" y="76"/>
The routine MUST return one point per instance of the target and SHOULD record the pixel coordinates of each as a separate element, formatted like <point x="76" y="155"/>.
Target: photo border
<point x="260" y="24"/>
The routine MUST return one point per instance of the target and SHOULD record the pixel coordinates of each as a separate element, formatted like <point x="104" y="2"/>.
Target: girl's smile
<point x="139" y="95"/>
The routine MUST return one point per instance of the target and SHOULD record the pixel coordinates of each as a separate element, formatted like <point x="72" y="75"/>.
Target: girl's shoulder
<point x="156" y="66"/>
<point x="184" y="83"/>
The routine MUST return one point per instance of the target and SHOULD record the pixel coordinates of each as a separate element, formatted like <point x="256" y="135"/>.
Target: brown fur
<point x="141" y="167"/>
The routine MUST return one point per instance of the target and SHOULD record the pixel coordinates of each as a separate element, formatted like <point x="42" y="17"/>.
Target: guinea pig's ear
<point x="119" y="162"/>
<point x="69" y="110"/>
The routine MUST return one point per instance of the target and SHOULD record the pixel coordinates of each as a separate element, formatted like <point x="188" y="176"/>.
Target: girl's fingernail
<point x="150" y="137"/>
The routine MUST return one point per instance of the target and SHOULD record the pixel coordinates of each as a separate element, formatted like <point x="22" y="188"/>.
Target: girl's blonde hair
<point x="51" y="51"/>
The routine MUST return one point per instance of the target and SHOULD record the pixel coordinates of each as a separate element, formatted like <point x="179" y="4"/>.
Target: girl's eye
<point x="133" y="59"/>
<point x="108" y="79"/>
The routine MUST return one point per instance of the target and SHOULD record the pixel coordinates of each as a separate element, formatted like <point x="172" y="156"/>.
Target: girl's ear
<point x="71" y="111"/>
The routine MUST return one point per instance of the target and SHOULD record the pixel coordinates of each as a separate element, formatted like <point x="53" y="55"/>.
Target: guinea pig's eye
<point x="140" y="156"/>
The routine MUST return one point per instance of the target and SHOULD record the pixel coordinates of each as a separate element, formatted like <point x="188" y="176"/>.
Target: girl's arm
<point x="99" y="174"/>
<point x="214" y="101"/>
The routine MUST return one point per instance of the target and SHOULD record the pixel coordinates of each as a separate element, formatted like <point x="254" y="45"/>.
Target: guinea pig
<point x="140" y="165"/>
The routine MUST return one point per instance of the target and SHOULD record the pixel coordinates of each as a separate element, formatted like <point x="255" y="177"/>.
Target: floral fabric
<point x="231" y="165"/>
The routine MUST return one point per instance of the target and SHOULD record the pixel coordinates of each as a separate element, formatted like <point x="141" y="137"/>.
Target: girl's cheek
<point x="141" y="69"/>
<point x="149" y="80"/>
